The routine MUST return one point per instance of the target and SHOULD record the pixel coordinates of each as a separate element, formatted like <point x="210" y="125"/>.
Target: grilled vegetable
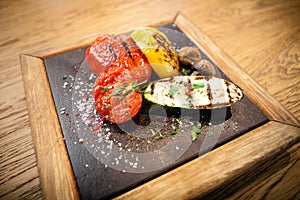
<point x="193" y="92"/>
<point x="189" y="55"/>
<point x="118" y="50"/>
<point x="118" y="62"/>
<point x="158" y="49"/>
<point x="206" y="68"/>
<point x="115" y="96"/>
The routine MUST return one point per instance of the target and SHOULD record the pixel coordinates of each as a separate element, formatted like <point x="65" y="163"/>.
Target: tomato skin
<point x="125" y="109"/>
<point x="119" y="50"/>
<point x="104" y="86"/>
<point x="99" y="55"/>
<point x="117" y="109"/>
<point x="117" y="61"/>
<point x="142" y="70"/>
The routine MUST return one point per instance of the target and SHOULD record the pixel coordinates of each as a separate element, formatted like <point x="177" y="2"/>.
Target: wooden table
<point x="263" y="37"/>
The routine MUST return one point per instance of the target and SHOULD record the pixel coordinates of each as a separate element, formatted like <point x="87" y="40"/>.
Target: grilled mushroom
<point x="189" y="55"/>
<point x="205" y="68"/>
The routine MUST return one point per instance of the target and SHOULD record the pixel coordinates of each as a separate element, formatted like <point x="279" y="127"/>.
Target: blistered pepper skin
<point x="158" y="49"/>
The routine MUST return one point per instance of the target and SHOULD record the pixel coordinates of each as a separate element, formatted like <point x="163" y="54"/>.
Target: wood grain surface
<point x="52" y="153"/>
<point x="212" y="178"/>
<point x="263" y="37"/>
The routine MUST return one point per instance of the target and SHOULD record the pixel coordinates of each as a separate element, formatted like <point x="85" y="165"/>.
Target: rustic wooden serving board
<point x="63" y="160"/>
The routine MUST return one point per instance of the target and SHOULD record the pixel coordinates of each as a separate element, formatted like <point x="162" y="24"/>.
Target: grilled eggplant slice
<point x="193" y="92"/>
<point x="158" y="49"/>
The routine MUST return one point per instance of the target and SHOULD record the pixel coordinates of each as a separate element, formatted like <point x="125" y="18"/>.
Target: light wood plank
<point x="261" y="36"/>
<point x="270" y="184"/>
<point x="228" y="164"/>
<point x="55" y="170"/>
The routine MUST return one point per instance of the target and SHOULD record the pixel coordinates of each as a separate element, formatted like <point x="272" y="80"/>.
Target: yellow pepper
<point x="159" y="51"/>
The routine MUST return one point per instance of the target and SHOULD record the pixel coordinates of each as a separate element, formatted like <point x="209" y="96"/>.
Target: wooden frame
<point x="202" y="177"/>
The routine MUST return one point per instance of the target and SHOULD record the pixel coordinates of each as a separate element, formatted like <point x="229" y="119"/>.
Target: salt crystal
<point x="65" y="84"/>
<point x="77" y="87"/>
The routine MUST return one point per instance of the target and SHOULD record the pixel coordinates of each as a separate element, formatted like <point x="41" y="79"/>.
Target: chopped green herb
<point x="184" y="71"/>
<point x="178" y="120"/>
<point x="127" y="145"/>
<point x="194" y="136"/>
<point x="71" y="77"/>
<point x="173" y="90"/>
<point x="175" y="130"/>
<point x="117" y="93"/>
<point x="65" y="76"/>
<point x="107" y="88"/>
<point x="158" y="137"/>
<point x="209" y="134"/>
<point x="196" y="130"/>
<point x="198" y="85"/>
<point x="133" y="86"/>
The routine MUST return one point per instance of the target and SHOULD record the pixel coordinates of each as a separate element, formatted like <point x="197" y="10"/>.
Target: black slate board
<point x="101" y="175"/>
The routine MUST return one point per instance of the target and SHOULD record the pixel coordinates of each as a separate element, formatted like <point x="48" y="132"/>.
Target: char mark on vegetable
<point x="127" y="50"/>
<point x="152" y="88"/>
<point x="228" y="92"/>
<point x="209" y="95"/>
<point x="112" y="51"/>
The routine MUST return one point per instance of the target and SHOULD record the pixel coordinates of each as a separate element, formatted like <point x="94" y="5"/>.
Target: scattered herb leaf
<point x="194" y="136"/>
<point x="196" y="130"/>
<point x="173" y="90"/>
<point x="198" y="85"/>
<point x="159" y="137"/>
<point x="71" y="77"/>
<point x="174" y="131"/>
<point x="107" y="88"/>
<point x="178" y="120"/>
<point x="184" y="71"/>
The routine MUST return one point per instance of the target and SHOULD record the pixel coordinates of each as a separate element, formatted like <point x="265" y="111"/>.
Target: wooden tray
<point x="54" y="161"/>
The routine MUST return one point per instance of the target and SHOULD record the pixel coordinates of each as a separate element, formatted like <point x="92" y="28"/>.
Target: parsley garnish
<point x="196" y="130"/>
<point x="198" y="85"/>
<point x="194" y="136"/>
<point x="184" y="71"/>
<point x="159" y="137"/>
<point x="173" y="90"/>
<point x="104" y="89"/>
<point x="175" y="130"/>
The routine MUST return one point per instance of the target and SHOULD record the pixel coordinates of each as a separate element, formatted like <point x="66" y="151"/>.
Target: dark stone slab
<point x="109" y="159"/>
